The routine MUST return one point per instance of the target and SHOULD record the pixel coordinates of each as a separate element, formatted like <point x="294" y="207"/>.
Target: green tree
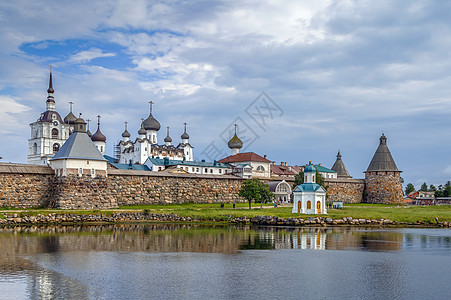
<point x="254" y="189"/>
<point x="432" y="188"/>
<point x="447" y="191"/>
<point x="424" y="187"/>
<point x="299" y="179"/>
<point x="410" y="188"/>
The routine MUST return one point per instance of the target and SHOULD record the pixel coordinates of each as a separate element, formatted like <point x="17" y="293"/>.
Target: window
<point x="192" y="169"/>
<point x="93" y="172"/>
<point x="55" y="133"/>
<point x="159" y="168"/>
<point x="80" y="172"/>
<point x="282" y="188"/>
<point x="260" y="169"/>
<point x="206" y="170"/>
<point x="220" y="171"/>
<point x="309" y="205"/>
<point x="101" y="148"/>
<point x="35" y="148"/>
<point x="211" y="170"/>
<point x="197" y="169"/>
<point x="56" y="147"/>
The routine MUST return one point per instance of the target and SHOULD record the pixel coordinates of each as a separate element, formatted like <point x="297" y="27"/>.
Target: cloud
<point x="88" y="55"/>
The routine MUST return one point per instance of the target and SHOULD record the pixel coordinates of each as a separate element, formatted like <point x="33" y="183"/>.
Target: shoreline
<point x="14" y="219"/>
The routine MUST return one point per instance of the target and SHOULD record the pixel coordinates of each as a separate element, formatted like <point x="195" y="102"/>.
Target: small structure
<point x="79" y="156"/>
<point x="337" y="204"/>
<point x="309" y="197"/>
<point x="284" y="170"/>
<point x="282" y="191"/>
<point x="260" y="166"/>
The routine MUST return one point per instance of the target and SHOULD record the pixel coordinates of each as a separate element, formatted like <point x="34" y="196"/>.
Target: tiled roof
<point x="240" y="157"/>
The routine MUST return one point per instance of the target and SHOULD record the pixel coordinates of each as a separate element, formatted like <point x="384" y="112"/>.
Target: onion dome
<point x="185" y="135"/>
<point x="142" y="131"/>
<point x="126" y="134"/>
<point x="151" y="123"/>
<point x="310" y="168"/>
<point x="167" y="139"/>
<point x="70" y="118"/>
<point x="98" y="136"/>
<point x="235" y="142"/>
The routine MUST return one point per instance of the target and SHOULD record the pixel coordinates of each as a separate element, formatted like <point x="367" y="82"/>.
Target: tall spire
<point x="50" y="103"/>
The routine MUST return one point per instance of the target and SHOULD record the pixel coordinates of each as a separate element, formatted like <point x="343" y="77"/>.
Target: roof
<point x="241" y="157"/>
<point x="382" y="159"/>
<point x="110" y="159"/>
<point x="309" y="187"/>
<point x="340" y="168"/>
<point x="98" y="136"/>
<point x="310" y="168"/>
<point x="25" y="169"/>
<point x="151" y="123"/>
<point x="235" y="143"/>
<point x="129" y="166"/>
<point x="285" y="170"/>
<point x="47" y="116"/>
<point x="79" y="146"/>
<point x="273" y="185"/>
<point x="174" y="162"/>
<point x="322" y="169"/>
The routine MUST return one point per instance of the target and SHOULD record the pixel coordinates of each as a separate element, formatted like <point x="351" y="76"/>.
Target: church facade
<point x="49" y="131"/>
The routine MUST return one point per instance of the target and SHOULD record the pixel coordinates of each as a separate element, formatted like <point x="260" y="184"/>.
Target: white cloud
<point x="88" y="55"/>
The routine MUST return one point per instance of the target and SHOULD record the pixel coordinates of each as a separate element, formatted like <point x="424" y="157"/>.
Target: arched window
<point x="56" y="147"/>
<point x="261" y="169"/>
<point x="309" y="204"/>
<point x="54" y="133"/>
<point x="35" y="148"/>
<point x="318" y="206"/>
<point x="282" y="188"/>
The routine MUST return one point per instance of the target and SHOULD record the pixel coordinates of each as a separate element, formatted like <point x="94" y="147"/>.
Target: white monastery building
<point x="309" y="197"/>
<point x="146" y="145"/>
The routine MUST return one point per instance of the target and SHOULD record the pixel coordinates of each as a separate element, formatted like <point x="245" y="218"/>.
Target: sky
<point x="302" y="79"/>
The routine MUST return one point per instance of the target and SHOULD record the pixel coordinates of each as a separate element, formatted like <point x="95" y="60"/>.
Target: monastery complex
<point x="68" y="168"/>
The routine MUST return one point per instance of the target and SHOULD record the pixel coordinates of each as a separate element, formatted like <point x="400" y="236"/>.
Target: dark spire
<point x="185" y="135"/>
<point x="142" y="130"/>
<point x="382" y="159"/>
<point x="168" y="139"/>
<point x="50" y="100"/>
<point x="87" y="131"/>
<point x="98" y="135"/>
<point x="340" y="168"/>
<point x="126" y="133"/>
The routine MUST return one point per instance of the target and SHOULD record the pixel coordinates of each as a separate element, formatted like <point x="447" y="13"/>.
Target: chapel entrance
<point x="299" y="207"/>
<point x="318" y="207"/>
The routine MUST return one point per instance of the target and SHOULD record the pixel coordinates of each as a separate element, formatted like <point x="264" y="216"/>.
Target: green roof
<point x="309" y="187"/>
<point x="322" y="169"/>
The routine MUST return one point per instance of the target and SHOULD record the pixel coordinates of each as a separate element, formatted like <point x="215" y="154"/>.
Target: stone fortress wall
<point x="25" y="186"/>
<point x="348" y="190"/>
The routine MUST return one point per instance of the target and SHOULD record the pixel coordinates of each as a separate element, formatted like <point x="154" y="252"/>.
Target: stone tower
<point x="382" y="178"/>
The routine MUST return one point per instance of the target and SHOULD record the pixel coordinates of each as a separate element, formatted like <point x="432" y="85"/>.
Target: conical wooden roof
<point x="382" y="159"/>
<point x="340" y="168"/>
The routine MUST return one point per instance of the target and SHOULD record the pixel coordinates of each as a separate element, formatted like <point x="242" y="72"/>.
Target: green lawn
<point x="425" y="214"/>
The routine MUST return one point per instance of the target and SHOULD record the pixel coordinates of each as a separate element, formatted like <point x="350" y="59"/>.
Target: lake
<point x="184" y="261"/>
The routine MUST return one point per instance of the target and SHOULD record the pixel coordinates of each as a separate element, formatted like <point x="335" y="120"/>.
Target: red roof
<point x="241" y="157"/>
<point x="285" y="170"/>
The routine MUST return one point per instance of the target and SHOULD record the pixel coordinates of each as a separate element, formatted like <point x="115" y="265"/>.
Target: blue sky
<point x="336" y="73"/>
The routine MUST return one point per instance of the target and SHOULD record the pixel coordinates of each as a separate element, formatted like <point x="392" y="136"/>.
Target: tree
<point x="410" y="188"/>
<point x="299" y="179"/>
<point x="447" y="191"/>
<point x="432" y="188"/>
<point x="254" y="189"/>
<point x="424" y="187"/>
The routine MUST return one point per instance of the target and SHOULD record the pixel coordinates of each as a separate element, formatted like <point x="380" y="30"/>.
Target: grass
<point x="208" y="212"/>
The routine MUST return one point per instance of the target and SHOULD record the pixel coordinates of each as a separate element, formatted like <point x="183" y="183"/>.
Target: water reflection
<point x="91" y="262"/>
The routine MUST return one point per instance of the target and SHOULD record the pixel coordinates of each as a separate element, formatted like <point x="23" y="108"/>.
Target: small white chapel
<point x="309" y="197"/>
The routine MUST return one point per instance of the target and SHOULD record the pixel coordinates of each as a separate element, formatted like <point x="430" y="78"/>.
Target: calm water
<point x="162" y="261"/>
